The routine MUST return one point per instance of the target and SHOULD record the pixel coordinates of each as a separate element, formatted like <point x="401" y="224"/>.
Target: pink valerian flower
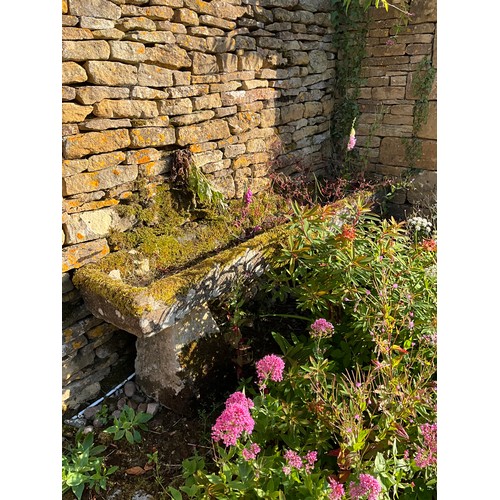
<point x="234" y="420"/>
<point x="337" y="490"/>
<point x="427" y="455"/>
<point x="321" y="328"/>
<point x="310" y="459"/>
<point x="368" y="485"/>
<point x="294" y="461"/>
<point x="270" y="367"/>
<point x="251" y="452"/>
<point x="239" y="398"/>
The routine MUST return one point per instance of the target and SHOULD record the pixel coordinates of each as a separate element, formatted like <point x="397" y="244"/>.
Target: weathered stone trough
<point x="171" y="313"/>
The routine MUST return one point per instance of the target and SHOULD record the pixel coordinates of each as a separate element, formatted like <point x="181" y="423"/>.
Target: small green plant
<point x="83" y="467"/>
<point x="128" y="424"/>
<point x="187" y="174"/>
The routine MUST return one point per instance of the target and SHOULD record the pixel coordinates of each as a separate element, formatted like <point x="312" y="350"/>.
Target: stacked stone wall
<point x="245" y="85"/>
<point x="394" y="54"/>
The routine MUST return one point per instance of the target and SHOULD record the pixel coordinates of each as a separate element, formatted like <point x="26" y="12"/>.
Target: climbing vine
<point x="423" y="81"/>
<point x="350" y="28"/>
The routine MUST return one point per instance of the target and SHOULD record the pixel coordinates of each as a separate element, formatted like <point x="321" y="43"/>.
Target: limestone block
<point x="189" y="42"/>
<point x="98" y="124"/>
<point x="227" y="62"/>
<point x="69" y="33"/>
<point x="188" y="91"/>
<point x="95" y="23"/>
<point x="68" y="93"/>
<point x="388" y="93"/>
<point x="220" y="44"/>
<point x="85" y="50"/>
<point x="106" y="160"/>
<point x="95" y="224"/>
<point x="76" y="363"/>
<point x="94" y="8"/>
<point x="204" y="64"/>
<point x="191" y="118"/>
<point x="392" y="152"/>
<point x="424" y="11"/>
<point x="245" y="43"/>
<point x="79" y="392"/>
<point x="159" y="121"/>
<point x="250" y="60"/>
<point x="208" y="101"/>
<point x="108" y="34"/>
<point x="76" y="256"/>
<point x="91" y="95"/>
<point x="169" y="56"/>
<point x="217" y="22"/>
<point x="151" y="136"/>
<point x="169" y="3"/>
<point x="74" y="113"/>
<point x="243" y="121"/>
<point x="95" y="142"/>
<point x="172" y="107"/>
<point x="292" y="112"/>
<point x="270" y="117"/>
<point x="147" y="93"/>
<point x="216" y="129"/>
<point x="110" y="108"/>
<point x="114" y="74"/>
<point x="143" y="155"/>
<point x="159" y="12"/>
<point x="101" y="179"/>
<point x="127" y="51"/>
<point x="73" y="73"/>
<point x="171" y="27"/>
<point x="151" y="36"/>
<point x="187" y="17"/>
<point x="137" y="24"/>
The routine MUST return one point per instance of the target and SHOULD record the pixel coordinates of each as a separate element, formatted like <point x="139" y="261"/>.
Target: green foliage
<point x="128" y="424"/>
<point x="358" y="397"/>
<point x="205" y="193"/>
<point x="423" y="81"/>
<point x="83" y="467"/>
<point x="349" y="22"/>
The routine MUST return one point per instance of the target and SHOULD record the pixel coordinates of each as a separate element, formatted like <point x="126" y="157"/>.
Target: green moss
<point x="120" y="294"/>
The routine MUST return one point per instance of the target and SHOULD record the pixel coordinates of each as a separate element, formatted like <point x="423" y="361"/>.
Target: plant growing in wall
<point x="188" y="175"/>
<point x="422" y="87"/>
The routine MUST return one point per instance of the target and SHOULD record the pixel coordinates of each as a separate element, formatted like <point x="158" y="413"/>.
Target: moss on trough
<point x="179" y="258"/>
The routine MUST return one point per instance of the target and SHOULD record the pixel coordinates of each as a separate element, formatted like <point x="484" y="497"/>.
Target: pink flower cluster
<point x="428" y="455"/>
<point x="337" y="490"/>
<point x="234" y="420"/>
<point x="293" y="460"/>
<point x="270" y="367"/>
<point x="321" y="328"/>
<point x="251" y="452"/>
<point x="248" y="197"/>
<point x="368" y="485"/>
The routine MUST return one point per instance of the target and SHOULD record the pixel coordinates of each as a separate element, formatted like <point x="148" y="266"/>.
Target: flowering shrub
<point x="350" y="413"/>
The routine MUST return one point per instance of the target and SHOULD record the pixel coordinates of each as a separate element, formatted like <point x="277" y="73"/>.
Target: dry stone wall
<point x="245" y="85"/>
<point x="394" y="54"/>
